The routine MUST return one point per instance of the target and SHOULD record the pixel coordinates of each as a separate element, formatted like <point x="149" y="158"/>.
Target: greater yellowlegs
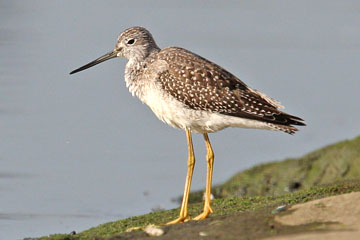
<point x="192" y="93"/>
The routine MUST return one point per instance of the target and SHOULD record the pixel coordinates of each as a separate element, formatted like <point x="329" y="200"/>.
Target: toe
<point x="202" y="216"/>
<point x="178" y="220"/>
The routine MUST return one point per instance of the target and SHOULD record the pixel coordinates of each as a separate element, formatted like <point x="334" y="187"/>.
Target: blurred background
<point x="77" y="151"/>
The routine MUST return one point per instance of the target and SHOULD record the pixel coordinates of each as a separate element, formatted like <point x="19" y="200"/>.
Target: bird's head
<point x="135" y="43"/>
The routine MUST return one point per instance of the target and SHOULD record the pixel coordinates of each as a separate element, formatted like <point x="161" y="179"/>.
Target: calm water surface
<point x="76" y="151"/>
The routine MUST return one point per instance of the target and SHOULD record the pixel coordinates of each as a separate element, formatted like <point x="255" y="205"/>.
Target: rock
<point x="153" y="231"/>
<point x="279" y="209"/>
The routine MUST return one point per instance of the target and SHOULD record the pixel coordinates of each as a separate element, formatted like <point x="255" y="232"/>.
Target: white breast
<point x="165" y="107"/>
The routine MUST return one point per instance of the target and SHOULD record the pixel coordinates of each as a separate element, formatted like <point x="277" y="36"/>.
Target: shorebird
<point x="192" y="93"/>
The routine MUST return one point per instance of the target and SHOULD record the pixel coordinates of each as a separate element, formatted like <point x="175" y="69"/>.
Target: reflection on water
<point x="7" y="36"/>
<point x="76" y="152"/>
<point x="7" y="175"/>
<point x="34" y="216"/>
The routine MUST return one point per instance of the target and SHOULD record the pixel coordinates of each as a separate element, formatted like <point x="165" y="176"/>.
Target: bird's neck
<point x="133" y="72"/>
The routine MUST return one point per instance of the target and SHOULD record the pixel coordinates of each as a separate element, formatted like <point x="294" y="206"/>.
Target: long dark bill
<point x="101" y="59"/>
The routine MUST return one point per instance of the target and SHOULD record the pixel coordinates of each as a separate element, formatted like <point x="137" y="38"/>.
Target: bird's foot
<point x="204" y="214"/>
<point x="179" y="220"/>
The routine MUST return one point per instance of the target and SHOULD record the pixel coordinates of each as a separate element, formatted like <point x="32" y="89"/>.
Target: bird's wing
<point x="203" y="85"/>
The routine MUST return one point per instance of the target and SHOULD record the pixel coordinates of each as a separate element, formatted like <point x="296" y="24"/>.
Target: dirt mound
<point x="342" y="210"/>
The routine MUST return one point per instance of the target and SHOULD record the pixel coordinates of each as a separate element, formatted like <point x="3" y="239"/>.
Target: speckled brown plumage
<point x="203" y="85"/>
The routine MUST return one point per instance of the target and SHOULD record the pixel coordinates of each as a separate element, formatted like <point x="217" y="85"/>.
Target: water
<point x="77" y="151"/>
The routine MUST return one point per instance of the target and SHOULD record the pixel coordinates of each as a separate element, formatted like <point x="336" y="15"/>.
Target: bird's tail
<point x="290" y="120"/>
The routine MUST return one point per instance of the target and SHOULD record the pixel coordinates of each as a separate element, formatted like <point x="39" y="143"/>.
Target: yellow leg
<point x="184" y="215"/>
<point x="210" y="163"/>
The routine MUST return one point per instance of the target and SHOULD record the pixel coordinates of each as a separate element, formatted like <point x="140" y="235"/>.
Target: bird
<point x="191" y="93"/>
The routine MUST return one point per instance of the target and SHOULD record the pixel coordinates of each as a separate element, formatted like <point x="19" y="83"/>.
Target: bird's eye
<point x="131" y="41"/>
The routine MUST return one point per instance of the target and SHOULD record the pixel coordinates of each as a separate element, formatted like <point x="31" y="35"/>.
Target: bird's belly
<point x="173" y="112"/>
<point x="178" y="115"/>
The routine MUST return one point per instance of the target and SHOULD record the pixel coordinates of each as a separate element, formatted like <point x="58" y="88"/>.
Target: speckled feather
<point x="203" y="85"/>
